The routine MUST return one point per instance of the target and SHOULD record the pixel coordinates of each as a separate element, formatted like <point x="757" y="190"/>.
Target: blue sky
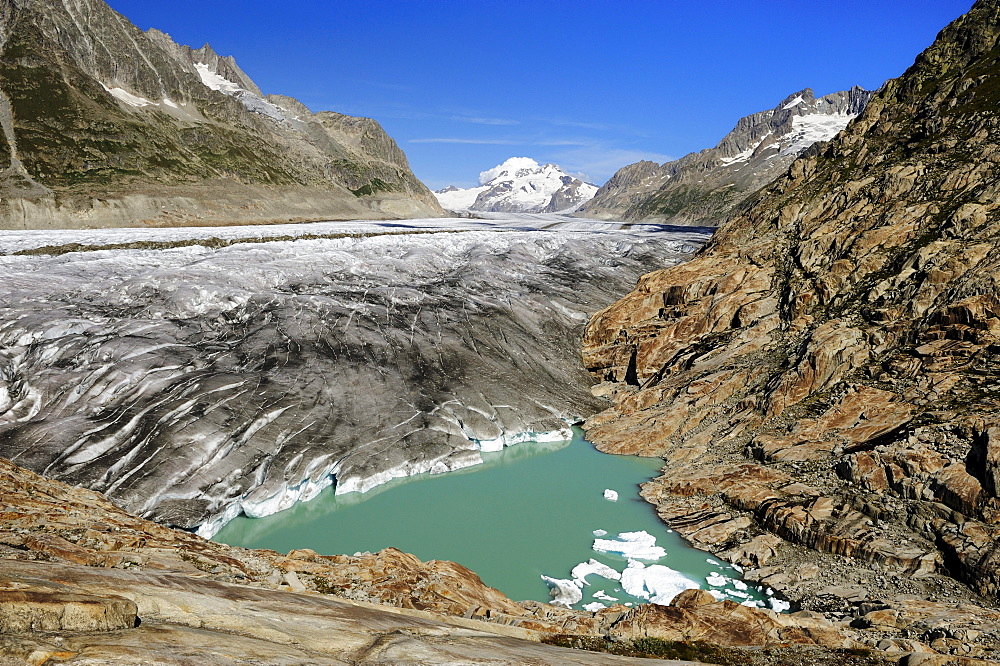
<point x="590" y="85"/>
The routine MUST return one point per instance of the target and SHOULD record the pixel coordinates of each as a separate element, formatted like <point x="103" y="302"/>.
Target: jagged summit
<point x="520" y="185"/>
<point x="702" y="188"/>
<point x="106" y="125"/>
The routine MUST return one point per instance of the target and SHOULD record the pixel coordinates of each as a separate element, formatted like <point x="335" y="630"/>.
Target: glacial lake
<point x="531" y="510"/>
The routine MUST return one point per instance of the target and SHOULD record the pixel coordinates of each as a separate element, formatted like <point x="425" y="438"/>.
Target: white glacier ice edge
<point x="254" y="506"/>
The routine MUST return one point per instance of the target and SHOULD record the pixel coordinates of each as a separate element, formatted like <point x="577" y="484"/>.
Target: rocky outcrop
<point x="106" y="125"/>
<point x="703" y="188"/>
<point x="822" y="379"/>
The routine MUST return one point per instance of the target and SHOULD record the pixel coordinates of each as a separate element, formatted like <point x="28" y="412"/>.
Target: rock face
<point x="519" y="185"/>
<point x="192" y="383"/>
<point x="703" y="188"/>
<point x="822" y="379"/>
<point x="105" y="125"/>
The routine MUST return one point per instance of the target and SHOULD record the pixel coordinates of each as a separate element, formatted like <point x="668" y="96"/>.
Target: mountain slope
<point x="702" y="188"/>
<point x="107" y="125"/>
<point x="825" y="371"/>
<point x="519" y="185"/>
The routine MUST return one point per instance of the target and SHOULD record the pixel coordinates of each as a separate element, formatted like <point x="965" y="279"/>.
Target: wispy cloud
<point x="478" y="120"/>
<point x="599" y="162"/>
<point x="503" y="142"/>
<point x="478" y="142"/>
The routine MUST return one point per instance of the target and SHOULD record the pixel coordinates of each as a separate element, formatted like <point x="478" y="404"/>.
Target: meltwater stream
<point x="524" y="521"/>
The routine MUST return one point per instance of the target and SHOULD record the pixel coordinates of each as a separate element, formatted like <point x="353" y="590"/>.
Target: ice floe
<point x="584" y="569"/>
<point x="633" y="545"/>
<point x="656" y="583"/>
<point x="565" y="592"/>
<point x="715" y="579"/>
<point x="593" y="607"/>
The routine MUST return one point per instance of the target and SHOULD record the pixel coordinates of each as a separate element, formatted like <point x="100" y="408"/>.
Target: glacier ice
<point x="193" y="382"/>
<point x="656" y="583"/>
<point x="633" y="545"/>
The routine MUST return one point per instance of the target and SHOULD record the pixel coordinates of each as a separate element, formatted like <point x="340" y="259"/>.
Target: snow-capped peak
<point x="515" y="167"/>
<point x="520" y="185"/>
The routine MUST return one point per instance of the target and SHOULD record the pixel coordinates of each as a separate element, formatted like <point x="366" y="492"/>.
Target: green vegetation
<point x="374" y="186"/>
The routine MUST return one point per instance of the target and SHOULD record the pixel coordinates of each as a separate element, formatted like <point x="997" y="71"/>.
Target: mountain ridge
<point x="107" y="125"/>
<point x="703" y="188"/>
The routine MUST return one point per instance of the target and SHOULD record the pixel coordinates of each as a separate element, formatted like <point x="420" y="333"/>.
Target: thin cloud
<point x="601" y="162"/>
<point x="504" y="142"/>
<point x="476" y="142"/>
<point x="475" y="120"/>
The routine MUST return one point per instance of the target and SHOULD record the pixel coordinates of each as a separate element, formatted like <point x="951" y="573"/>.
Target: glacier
<point x="194" y="374"/>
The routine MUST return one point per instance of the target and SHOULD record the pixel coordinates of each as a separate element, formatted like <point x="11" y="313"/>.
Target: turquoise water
<point x="528" y="511"/>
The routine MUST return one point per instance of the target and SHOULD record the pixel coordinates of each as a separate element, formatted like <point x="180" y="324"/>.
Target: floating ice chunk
<point x="564" y="592"/>
<point x="610" y="495"/>
<point x="769" y="592"/>
<point x="714" y="562"/>
<point x="737" y="593"/>
<point x="657" y="583"/>
<point x="604" y="596"/>
<point x="718" y="594"/>
<point x="633" y="545"/>
<point x="600" y="532"/>
<point x="715" y="579"/>
<point x="752" y="604"/>
<point x="594" y="607"/>
<point x="739" y="585"/>
<point x="777" y="605"/>
<point x="584" y="569"/>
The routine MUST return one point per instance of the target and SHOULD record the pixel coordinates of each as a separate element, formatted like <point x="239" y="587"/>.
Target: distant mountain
<point x="519" y="185"/>
<point x="106" y="125"/>
<point x="702" y="188"/>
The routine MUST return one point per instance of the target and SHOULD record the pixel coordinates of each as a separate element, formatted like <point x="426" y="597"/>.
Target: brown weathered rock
<point x="826" y="369"/>
<point x="29" y="608"/>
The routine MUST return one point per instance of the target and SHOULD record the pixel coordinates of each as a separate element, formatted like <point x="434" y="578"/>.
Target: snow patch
<point x="795" y="102"/>
<point x="216" y="81"/>
<point x="127" y="97"/>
